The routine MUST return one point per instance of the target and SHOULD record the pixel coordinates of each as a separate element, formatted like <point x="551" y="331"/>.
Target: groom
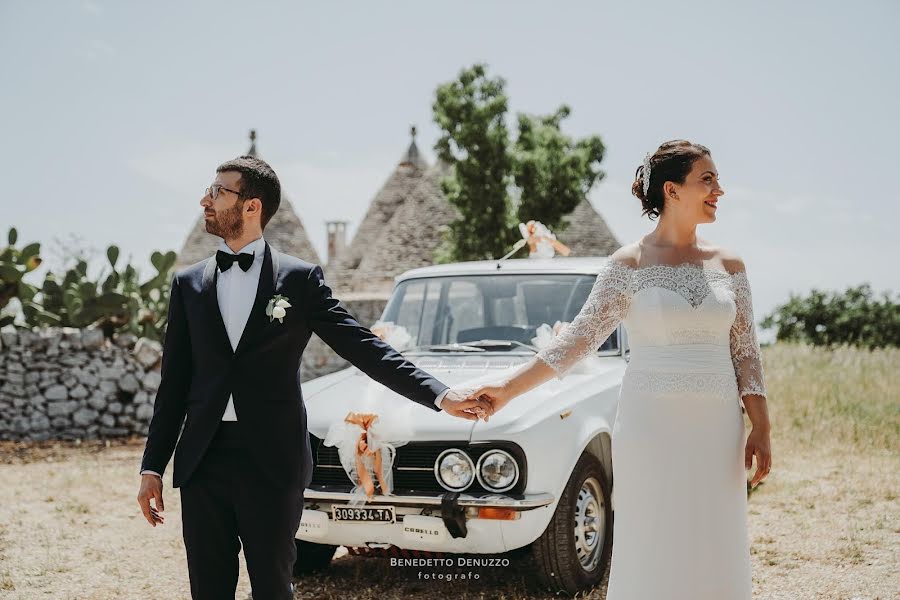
<point x="230" y="376"/>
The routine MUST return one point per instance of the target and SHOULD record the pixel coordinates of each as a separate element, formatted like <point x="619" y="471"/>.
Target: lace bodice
<point x="675" y="308"/>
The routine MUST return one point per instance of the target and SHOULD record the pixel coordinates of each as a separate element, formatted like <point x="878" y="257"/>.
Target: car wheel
<point x="573" y="552"/>
<point x="312" y="557"/>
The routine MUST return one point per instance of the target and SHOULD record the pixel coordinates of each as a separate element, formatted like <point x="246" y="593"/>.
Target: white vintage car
<point x="538" y="474"/>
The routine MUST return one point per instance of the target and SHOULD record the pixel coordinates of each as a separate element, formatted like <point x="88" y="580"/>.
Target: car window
<point x="419" y="302"/>
<point x="463" y="309"/>
<point x="460" y="309"/>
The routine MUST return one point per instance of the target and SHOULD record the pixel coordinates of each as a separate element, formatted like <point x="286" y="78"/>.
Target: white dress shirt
<point x="236" y="291"/>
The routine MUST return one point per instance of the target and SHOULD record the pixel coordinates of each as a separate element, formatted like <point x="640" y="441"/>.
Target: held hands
<point x="477" y="403"/>
<point x="151" y="487"/>
<point x="465" y="406"/>
<point x="496" y="395"/>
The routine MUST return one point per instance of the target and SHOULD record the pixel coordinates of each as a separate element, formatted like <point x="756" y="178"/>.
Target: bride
<point x="678" y="449"/>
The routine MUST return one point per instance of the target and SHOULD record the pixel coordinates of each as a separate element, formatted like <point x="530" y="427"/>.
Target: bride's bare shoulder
<point x="628" y="255"/>
<point x="730" y="260"/>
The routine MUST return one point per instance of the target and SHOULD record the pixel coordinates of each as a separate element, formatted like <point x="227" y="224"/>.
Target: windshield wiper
<point x="446" y="348"/>
<point x="476" y="346"/>
<point x="501" y="344"/>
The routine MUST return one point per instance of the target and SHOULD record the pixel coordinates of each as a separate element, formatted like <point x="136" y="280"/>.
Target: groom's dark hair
<point x="258" y="180"/>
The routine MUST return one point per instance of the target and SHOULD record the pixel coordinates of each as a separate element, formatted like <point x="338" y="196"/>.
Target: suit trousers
<point x="227" y="504"/>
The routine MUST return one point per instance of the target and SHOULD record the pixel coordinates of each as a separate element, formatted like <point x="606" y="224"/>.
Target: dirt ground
<point x="822" y="527"/>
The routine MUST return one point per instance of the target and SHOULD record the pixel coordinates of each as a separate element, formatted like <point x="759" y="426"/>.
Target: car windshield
<point x="487" y="312"/>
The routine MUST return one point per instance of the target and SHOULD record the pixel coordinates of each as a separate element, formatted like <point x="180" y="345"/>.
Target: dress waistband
<point x="682" y="358"/>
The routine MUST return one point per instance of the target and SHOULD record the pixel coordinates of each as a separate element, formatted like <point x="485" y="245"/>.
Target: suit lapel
<point x="265" y="289"/>
<point x="211" y="301"/>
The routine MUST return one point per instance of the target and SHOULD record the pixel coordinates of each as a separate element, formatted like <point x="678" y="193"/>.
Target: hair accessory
<point x="645" y="174"/>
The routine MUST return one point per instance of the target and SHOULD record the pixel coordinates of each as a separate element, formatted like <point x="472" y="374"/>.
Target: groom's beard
<point x="228" y="224"/>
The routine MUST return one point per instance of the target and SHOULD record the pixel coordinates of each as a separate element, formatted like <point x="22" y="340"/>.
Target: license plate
<point x="364" y="514"/>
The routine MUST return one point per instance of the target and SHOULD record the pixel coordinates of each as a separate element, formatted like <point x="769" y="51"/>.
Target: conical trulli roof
<point x="412" y="236"/>
<point x="285" y="232"/>
<point x="587" y="233"/>
<point x="399" y="186"/>
<point x="415" y="232"/>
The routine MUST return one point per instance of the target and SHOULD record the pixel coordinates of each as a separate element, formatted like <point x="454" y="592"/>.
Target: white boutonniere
<point x="277" y="308"/>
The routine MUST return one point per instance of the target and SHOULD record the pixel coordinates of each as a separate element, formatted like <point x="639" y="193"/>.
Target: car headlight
<point x="497" y="471"/>
<point x="454" y="469"/>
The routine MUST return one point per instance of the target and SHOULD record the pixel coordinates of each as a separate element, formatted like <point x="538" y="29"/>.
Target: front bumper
<point x="517" y="503"/>
<point x="446" y="522"/>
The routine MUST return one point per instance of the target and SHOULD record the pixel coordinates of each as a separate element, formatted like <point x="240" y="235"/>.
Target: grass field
<point x="846" y="400"/>
<point x="825" y="524"/>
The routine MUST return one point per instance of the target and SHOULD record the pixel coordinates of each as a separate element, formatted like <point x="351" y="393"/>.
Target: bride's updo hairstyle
<point x="672" y="161"/>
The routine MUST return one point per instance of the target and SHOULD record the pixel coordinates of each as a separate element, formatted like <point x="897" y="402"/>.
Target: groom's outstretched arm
<point x="365" y="350"/>
<point x="171" y="397"/>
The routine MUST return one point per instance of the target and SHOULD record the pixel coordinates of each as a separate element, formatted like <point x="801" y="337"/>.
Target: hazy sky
<point x="115" y="114"/>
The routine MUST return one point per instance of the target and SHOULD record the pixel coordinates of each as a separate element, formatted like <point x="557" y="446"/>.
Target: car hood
<point x="328" y="399"/>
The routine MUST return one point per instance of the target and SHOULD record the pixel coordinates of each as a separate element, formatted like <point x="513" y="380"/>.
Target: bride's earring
<point x="672" y="194"/>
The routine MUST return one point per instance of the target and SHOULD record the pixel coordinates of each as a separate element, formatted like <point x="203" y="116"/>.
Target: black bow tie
<point x="226" y="259"/>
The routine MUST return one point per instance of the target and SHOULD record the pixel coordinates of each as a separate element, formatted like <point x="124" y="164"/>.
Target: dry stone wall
<point x="65" y="383"/>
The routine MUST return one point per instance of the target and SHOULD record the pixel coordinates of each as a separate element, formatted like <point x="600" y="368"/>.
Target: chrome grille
<point x="413" y="468"/>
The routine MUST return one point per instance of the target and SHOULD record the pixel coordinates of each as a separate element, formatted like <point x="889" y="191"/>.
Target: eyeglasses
<point x="213" y="191"/>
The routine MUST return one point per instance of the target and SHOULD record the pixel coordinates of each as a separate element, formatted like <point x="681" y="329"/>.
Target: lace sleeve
<point x="605" y="307"/>
<point x="744" y="346"/>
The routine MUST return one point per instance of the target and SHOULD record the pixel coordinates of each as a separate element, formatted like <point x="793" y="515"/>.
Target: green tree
<point x="854" y="317"/>
<point x="553" y="173"/>
<point x="548" y="171"/>
<point x="470" y="112"/>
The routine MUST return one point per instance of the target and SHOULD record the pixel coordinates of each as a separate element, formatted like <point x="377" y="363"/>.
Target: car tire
<point x="569" y="559"/>
<point x="312" y="557"/>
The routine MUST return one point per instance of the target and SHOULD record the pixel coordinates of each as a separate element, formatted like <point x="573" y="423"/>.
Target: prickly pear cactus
<point x="116" y="302"/>
<point x="14" y="265"/>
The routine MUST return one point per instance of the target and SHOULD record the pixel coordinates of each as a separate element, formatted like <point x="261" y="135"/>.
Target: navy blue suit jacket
<point x="200" y="369"/>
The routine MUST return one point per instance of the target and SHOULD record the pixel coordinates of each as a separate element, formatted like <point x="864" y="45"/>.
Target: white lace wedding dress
<point x="679" y="485"/>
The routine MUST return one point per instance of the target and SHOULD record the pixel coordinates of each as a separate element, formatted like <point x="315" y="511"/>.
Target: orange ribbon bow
<point x="365" y="420"/>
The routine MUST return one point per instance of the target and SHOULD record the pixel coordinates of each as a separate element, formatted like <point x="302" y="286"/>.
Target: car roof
<point x="587" y="265"/>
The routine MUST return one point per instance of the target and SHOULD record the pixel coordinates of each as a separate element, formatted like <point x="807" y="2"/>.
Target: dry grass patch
<point x="844" y="399"/>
